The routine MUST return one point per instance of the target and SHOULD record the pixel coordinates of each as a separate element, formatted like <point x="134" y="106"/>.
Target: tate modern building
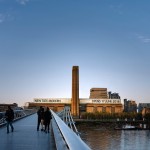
<point x="99" y="100"/>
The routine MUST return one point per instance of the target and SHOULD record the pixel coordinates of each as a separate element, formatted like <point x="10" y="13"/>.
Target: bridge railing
<point x="18" y="114"/>
<point x="65" y="137"/>
<point x="66" y="116"/>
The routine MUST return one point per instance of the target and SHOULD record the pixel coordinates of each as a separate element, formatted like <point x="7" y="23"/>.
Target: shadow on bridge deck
<point x="26" y="137"/>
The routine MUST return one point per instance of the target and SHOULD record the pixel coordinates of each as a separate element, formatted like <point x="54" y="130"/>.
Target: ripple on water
<point x="103" y="138"/>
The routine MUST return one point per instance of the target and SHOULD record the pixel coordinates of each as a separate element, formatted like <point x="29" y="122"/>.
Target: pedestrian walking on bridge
<point x="40" y="114"/>
<point x="39" y="117"/>
<point x="47" y="119"/>
<point x="9" y="115"/>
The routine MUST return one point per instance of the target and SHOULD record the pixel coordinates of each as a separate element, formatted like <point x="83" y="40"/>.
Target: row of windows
<point x="104" y="109"/>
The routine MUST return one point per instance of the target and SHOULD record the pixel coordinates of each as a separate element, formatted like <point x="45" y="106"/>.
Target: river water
<point x="105" y="138"/>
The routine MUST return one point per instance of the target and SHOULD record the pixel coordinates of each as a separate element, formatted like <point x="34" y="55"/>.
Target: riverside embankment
<point x="111" y="123"/>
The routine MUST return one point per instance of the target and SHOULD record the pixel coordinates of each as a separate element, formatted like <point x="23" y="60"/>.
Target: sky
<point x="41" y="40"/>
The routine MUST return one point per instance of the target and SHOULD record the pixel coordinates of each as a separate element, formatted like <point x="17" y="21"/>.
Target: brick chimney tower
<point x="75" y="91"/>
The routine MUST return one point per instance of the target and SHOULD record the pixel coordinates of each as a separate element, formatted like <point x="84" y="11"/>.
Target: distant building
<point x="4" y="107"/>
<point x="141" y="106"/>
<point x="145" y="111"/>
<point x="98" y="93"/>
<point x="101" y="93"/>
<point x="98" y="100"/>
<point x="130" y="106"/>
<point x="113" y="95"/>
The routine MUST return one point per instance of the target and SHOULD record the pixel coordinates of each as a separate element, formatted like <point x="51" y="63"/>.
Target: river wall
<point x="111" y="124"/>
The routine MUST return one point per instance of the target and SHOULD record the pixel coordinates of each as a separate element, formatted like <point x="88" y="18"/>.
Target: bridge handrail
<point x="17" y="115"/>
<point x="65" y="137"/>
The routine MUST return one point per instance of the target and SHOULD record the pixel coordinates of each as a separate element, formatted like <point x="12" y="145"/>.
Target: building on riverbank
<point x="98" y="93"/>
<point x="144" y="108"/>
<point x="99" y="100"/>
<point x="130" y="106"/>
<point x="85" y="104"/>
<point x="145" y="111"/>
<point x="4" y="107"/>
<point x="141" y="106"/>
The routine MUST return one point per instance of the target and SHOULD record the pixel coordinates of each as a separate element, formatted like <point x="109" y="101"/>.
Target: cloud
<point x="22" y="2"/>
<point x="143" y="38"/>
<point x="2" y="17"/>
<point x="5" y="17"/>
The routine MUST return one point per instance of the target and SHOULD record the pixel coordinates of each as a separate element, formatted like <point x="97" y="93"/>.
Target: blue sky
<point x="40" y="41"/>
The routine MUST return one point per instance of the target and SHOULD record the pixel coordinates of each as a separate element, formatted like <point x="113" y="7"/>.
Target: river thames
<point x="105" y="138"/>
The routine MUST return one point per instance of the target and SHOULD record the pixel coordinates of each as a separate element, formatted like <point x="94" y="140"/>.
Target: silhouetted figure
<point x="42" y="119"/>
<point x="47" y="119"/>
<point x="9" y="115"/>
<point x="39" y="113"/>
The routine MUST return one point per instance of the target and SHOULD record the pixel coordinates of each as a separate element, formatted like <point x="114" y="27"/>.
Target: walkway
<point x="26" y="137"/>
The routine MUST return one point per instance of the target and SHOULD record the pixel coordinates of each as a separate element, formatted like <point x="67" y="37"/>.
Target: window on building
<point x="112" y="109"/>
<point x="104" y="109"/>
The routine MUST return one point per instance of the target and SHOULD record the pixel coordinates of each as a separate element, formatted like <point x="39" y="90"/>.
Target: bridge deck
<point x="26" y="137"/>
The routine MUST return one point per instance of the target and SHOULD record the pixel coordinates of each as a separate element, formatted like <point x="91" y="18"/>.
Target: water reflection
<point x="105" y="138"/>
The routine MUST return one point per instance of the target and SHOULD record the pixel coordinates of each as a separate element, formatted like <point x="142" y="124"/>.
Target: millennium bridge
<point x="63" y="133"/>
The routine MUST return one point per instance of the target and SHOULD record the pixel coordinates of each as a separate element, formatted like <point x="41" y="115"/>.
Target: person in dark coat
<point x="39" y="113"/>
<point x="9" y="115"/>
<point x="47" y="119"/>
<point x="42" y="119"/>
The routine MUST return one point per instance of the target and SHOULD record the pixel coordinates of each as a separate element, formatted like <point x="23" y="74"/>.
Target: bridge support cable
<point x="66" y="116"/>
<point x="65" y="137"/>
